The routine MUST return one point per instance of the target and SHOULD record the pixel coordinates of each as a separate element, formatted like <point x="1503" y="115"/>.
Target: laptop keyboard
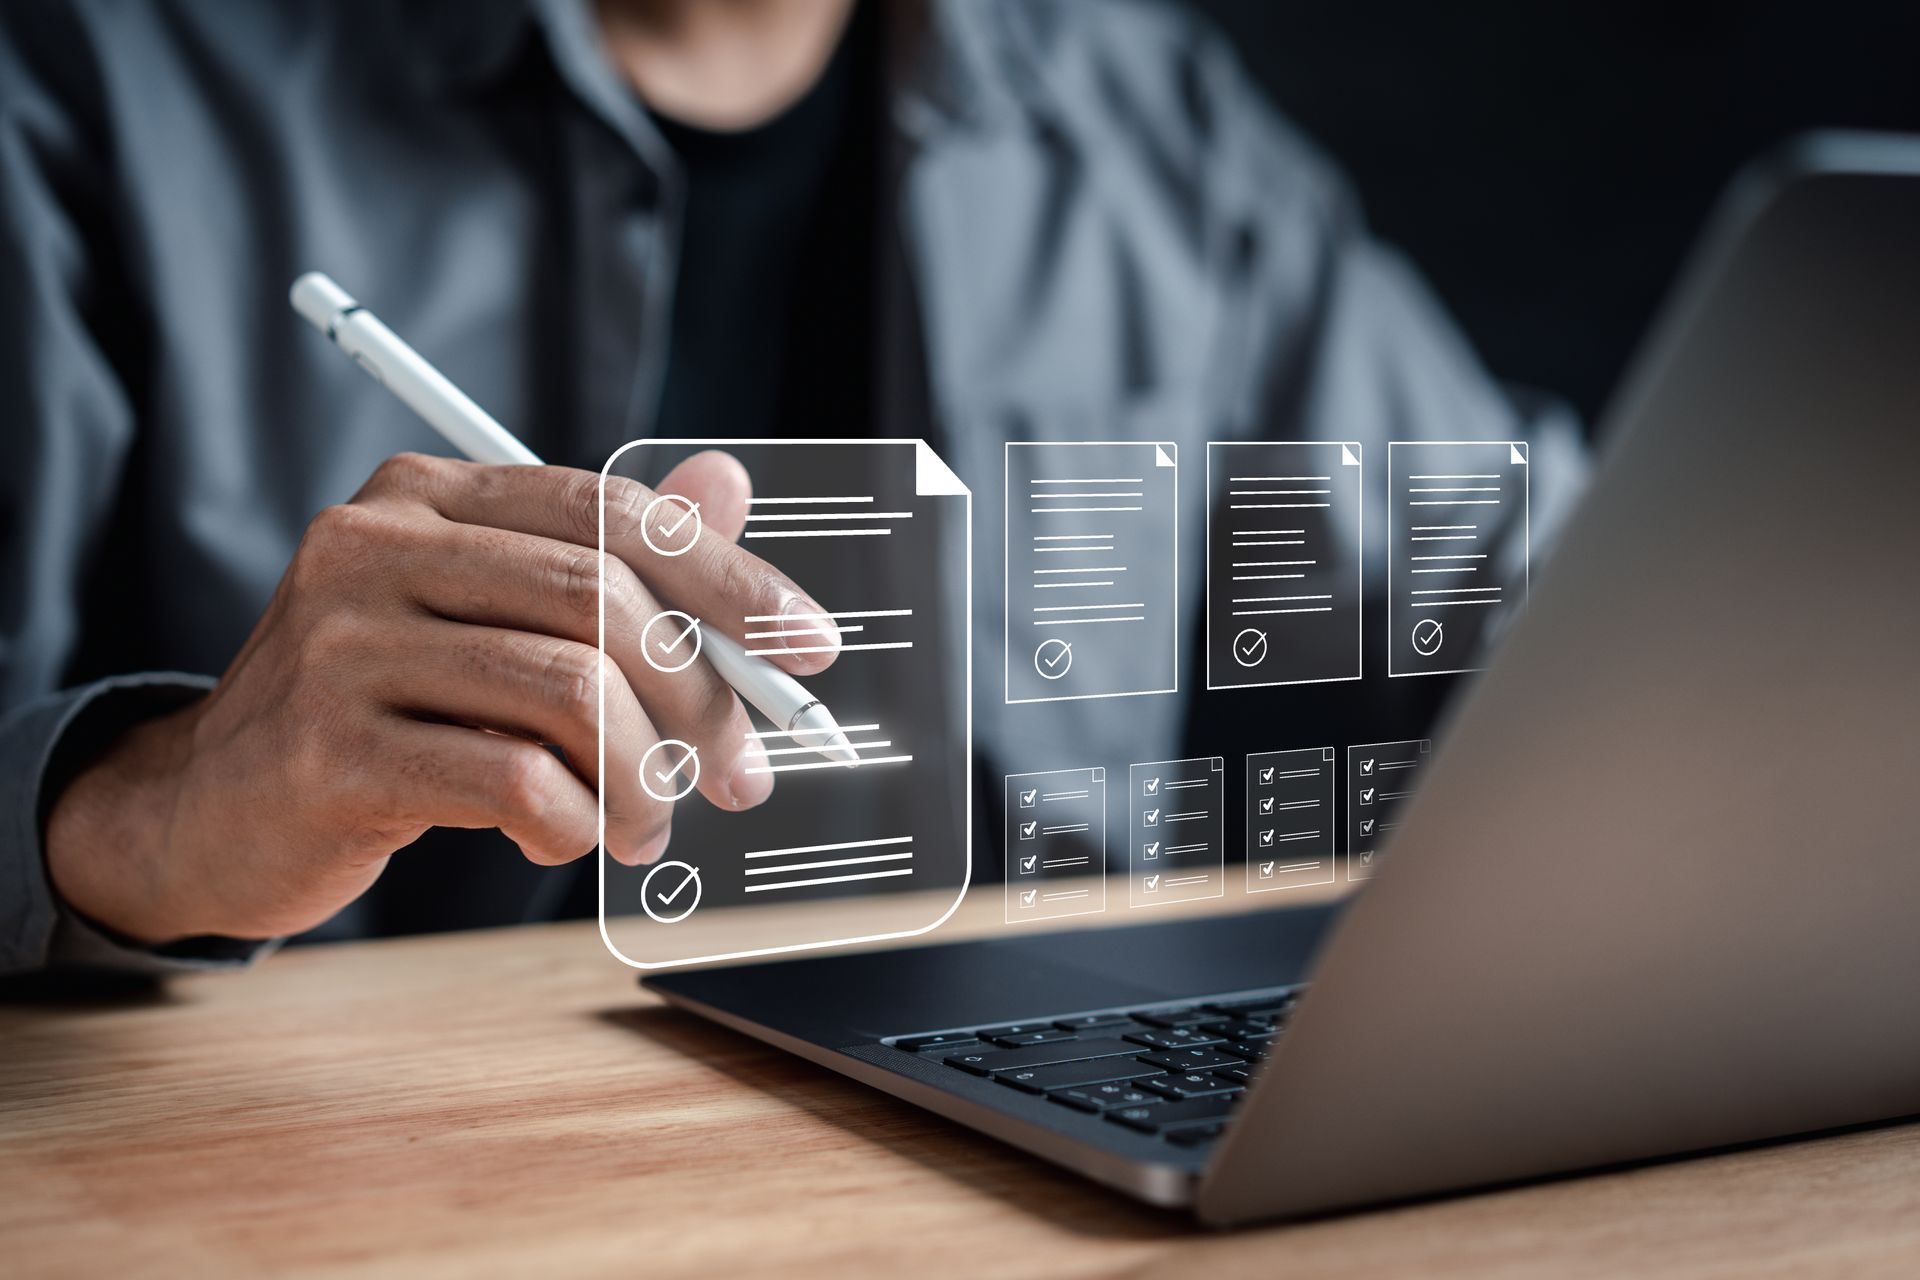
<point x="1175" y="1073"/>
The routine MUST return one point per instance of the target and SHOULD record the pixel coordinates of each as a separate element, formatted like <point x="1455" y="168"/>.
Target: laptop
<point x="1658" y="892"/>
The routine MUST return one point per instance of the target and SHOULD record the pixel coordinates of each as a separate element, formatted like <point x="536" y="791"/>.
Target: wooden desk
<point x="508" y="1103"/>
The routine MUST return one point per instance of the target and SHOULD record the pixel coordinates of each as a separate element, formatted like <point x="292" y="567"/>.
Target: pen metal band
<point x="795" y="718"/>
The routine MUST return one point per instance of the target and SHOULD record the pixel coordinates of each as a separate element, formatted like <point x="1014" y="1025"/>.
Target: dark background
<point x="1547" y="165"/>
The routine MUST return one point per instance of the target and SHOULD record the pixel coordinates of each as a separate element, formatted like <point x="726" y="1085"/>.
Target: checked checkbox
<point x="1151" y="849"/>
<point x="1366" y="826"/>
<point x="1266" y="804"/>
<point x="1029" y="798"/>
<point x="1366" y="767"/>
<point x="1028" y="830"/>
<point x="1150" y="818"/>
<point x="1029" y="865"/>
<point x="1266" y="776"/>
<point x="1150" y="786"/>
<point x="1153" y="884"/>
<point x="1266" y="839"/>
<point x="1366" y="795"/>
<point x="1028" y="897"/>
<point x="1266" y="871"/>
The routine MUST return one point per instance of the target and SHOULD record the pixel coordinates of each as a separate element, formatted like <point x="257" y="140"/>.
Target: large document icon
<point x="1092" y="570"/>
<point x="1284" y="568"/>
<point x="878" y="533"/>
<point x="1457" y="533"/>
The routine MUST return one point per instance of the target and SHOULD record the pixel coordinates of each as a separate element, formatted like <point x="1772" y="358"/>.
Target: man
<point x="969" y="220"/>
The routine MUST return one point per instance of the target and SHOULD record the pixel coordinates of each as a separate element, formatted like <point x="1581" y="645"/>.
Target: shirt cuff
<point x="43" y="745"/>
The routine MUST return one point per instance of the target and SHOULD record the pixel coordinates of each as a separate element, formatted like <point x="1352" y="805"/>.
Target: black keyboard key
<point x="1093" y="1021"/>
<point x="1170" y="1115"/>
<point x="1050" y="1035"/>
<point x="1238" y="1029"/>
<point x="1242" y="1075"/>
<point x="1063" y="1075"/>
<point x="1195" y="1135"/>
<point x="1039" y="1055"/>
<point x="945" y="1040"/>
<point x="1182" y="1060"/>
<point x="1012" y="1029"/>
<point x="1172" y="1038"/>
<point x="1104" y="1097"/>
<point x="1190" y="1084"/>
<point x="1251" y="1050"/>
<point x="1258" y="1006"/>
<point x="1174" y="1017"/>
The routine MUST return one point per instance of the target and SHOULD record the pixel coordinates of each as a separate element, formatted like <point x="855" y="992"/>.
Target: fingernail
<point x="812" y="629"/>
<point x="751" y="781"/>
<point x="652" y="849"/>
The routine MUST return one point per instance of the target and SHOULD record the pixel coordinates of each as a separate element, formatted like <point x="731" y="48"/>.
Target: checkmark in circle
<point x="665" y="762"/>
<point x="1250" y="647"/>
<point x="1053" y="659"/>
<point x="670" y="525"/>
<point x="670" y="892"/>
<point x="671" y="641"/>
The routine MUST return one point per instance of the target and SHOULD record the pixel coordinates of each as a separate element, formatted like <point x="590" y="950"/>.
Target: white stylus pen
<point x="468" y="428"/>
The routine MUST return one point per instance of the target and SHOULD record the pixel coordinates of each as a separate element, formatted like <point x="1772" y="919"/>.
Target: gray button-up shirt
<point x="1103" y="232"/>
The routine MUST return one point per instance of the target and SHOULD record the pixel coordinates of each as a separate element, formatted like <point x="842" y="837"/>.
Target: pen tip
<point x="839" y="748"/>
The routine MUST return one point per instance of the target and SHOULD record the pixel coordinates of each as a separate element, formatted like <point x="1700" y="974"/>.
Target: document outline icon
<point x="934" y="480"/>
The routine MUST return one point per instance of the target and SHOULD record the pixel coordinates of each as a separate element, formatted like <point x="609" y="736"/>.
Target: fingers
<point x="447" y="776"/>
<point x="497" y="578"/>
<point x="716" y="480"/>
<point x="684" y="563"/>
<point x="542" y="688"/>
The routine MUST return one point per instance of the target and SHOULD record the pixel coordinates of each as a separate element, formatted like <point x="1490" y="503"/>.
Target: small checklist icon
<point x="1266" y="804"/>
<point x="1266" y="776"/>
<point x="1366" y="795"/>
<point x="1150" y="818"/>
<point x="1266" y="839"/>
<point x="1151" y="849"/>
<point x="1028" y="830"/>
<point x="1028" y="897"/>
<point x="1029" y="798"/>
<point x="1266" y="871"/>
<point x="1366" y="768"/>
<point x="1029" y="865"/>
<point x="1150" y="787"/>
<point x="1152" y="884"/>
<point x="1366" y="826"/>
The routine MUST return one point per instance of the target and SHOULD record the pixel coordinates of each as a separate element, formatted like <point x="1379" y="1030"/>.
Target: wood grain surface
<point x="508" y="1103"/>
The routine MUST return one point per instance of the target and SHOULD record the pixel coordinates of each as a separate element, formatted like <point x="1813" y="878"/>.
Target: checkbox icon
<point x="1266" y="804"/>
<point x="1150" y="786"/>
<point x="1366" y="795"/>
<point x="1029" y="896"/>
<point x="1366" y="826"/>
<point x="1029" y="798"/>
<point x="1151" y="818"/>
<point x="1151" y="849"/>
<point x="1266" y="870"/>
<point x="1029" y="865"/>
<point x="1153" y="884"/>
<point x="1266" y="839"/>
<point x="1028" y="830"/>
<point x="1366" y="768"/>
<point x="1366" y="858"/>
<point x="1266" y="777"/>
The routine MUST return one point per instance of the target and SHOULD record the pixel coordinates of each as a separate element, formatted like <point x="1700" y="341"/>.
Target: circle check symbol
<point x="1053" y="659"/>
<point x="670" y="525"/>
<point x="1427" y="635"/>
<point x="663" y="762"/>
<point x="670" y="892"/>
<point x="671" y="641"/>
<point x="1250" y="647"/>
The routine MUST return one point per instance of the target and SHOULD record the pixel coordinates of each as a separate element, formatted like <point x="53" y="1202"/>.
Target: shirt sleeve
<point x="67" y="430"/>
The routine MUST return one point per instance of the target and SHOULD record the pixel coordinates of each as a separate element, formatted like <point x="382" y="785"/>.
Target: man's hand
<point x="427" y="639"/>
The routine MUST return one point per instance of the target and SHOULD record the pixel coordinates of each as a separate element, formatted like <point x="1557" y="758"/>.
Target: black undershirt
<point x="774" y="303"/>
